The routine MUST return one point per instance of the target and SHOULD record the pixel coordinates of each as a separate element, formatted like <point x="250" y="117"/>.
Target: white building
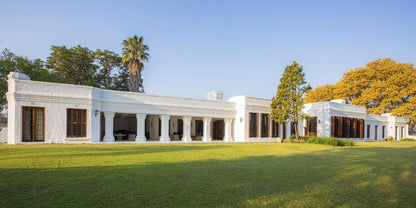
<point x="63" y="113"/>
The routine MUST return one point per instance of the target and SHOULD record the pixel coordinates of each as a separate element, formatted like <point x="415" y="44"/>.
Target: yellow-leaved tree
<point x="382" y="86"/>
<point x="321" y="93"/>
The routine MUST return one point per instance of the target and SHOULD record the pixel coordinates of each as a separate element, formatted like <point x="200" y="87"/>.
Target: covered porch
<point x="127" y="127"/>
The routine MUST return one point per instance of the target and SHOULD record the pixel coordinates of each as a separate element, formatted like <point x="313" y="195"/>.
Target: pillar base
<point x="187" y="139"/>
<point x="206" y="139"/>
<point x="227" y="139"/>
<point x="140" y="139"/>
<point x="164" y="139"/>
<point x="109" y="139"/>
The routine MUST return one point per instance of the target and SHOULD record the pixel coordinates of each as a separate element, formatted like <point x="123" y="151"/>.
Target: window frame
<point x="80" y="133"/>
<point x="347" y="127"/>
<point x="256" y="115"/>
<point x="265" y="124"/>
<point x="34" y="131"/>
<point x="312" y="124"/>
<point x="275" y="133"/>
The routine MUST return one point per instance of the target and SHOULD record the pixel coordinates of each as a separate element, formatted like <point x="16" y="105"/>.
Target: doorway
<point x="218" y="130"/>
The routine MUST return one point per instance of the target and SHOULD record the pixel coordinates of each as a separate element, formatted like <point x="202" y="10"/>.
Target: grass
<point x="378" y="174"/>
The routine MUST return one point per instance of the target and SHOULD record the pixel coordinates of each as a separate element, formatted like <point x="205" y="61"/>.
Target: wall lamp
<point x="96" y="112"/>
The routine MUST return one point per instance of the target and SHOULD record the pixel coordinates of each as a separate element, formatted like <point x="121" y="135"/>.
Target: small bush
<point x="408" y="139"/>
<point x="330" y="141"/>
<point x="292" y="138"/>
<point x="390" y="138"/>
<point x="305" y="138"/>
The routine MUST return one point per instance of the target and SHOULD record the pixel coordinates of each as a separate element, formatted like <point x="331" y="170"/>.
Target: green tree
<point x="121" y="81"/>
<point x="75" y="65"/>
<point x="135" y="52"/>
<point x="111" y="73"/>
<point x="288" y="102"/>
<point x="35" y="69"/>
<point x="79" y="65"/>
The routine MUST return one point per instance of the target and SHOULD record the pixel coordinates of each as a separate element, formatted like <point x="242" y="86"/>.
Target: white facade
<point x="112" y="116"/>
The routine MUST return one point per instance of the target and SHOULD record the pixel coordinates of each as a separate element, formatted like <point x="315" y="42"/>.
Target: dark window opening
<point x="346" y="127"/>
<point x="199" y="128"/>
<point x="312" y="126"/>
<point x="275" y="129"/>
<point x="265" y="125"/>
<point x="253" y="125"/>
<point x="382" y="133"/>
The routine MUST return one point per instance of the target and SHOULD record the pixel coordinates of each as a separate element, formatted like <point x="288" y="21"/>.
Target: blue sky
<point x="239" y="47"/>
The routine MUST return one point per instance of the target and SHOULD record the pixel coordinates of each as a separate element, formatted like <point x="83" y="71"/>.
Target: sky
<point x="238" y="47"/>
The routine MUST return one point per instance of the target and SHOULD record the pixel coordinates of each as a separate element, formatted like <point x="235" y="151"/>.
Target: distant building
<point x="63" y="113"/>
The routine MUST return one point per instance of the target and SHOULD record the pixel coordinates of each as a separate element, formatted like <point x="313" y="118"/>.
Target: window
<point x="275" y="129"/>
<point x="33" y="124"/>
<point x="253" y="125"/>
<point x="382" y="133"/>
<point x="375" y="133"/>
<point x="368" y="131"/>
<point x="345" y="127"/>
<point x="76" y="122"/>
<point x="264" y="125"/>
<point x="312" y="126"/>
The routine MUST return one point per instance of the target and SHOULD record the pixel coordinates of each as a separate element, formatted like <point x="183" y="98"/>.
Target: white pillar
<point x="164" y="133"/>
<point x="227" y="132"/>
<point x="109" y="124"/>
<point x="207" y="130"/>
<point x="187" y="129"/>
<point x="141" y="119"/>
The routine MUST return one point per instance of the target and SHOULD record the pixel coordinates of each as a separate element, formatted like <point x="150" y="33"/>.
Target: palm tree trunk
<point x="134" y="77"/>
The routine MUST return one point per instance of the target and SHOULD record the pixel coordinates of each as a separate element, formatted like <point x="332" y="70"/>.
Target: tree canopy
<point x="321" y="93"/>
<point x="135" y="52"/>
<point x="382" y="86"/>
<point x="10" y="62"/>
<point x="76" y="65"/>
<point x="79" y="65"/>
<point x="288" y="102"/>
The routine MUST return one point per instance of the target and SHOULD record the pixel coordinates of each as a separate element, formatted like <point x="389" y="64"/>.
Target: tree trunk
<point x="134" y="76"/>
<point x="296" y="131"/>
<point x="133" y="82"/>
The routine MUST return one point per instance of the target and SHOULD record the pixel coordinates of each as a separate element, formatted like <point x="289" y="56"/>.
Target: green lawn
<point x="379" y="174"/>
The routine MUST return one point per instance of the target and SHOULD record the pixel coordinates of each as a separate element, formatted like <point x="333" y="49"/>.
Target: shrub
<point x="408" y="139"/>
<point x="304" y="138"/>
<point x="292" y="138"/>
<point x="389" y="138"/>
<point x="330" y="141"/>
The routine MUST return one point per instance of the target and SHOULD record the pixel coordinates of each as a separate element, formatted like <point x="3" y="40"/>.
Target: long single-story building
<point x="44" y="112"/>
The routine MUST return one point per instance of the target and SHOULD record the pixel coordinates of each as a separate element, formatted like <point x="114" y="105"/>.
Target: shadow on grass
<point x="339" y="177"/>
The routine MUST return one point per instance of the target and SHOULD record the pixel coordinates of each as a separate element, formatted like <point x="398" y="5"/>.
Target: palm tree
<point x="135" y="53"/>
